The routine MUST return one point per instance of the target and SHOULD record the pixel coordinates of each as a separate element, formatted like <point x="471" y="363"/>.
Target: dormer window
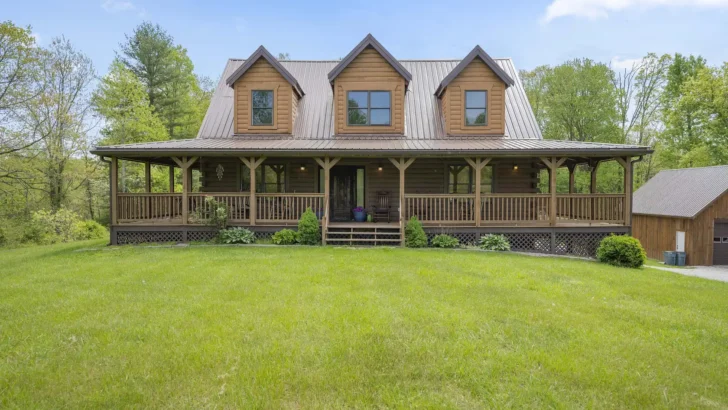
<point x="262" y="107"/>
<point x="369" y="107"/>
<point x="476" y="104"/>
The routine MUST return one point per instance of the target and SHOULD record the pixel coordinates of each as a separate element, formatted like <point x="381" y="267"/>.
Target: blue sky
<point x="531" y="32"/>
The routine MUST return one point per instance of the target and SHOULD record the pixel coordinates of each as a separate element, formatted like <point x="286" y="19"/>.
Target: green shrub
<point x="493" y="242"/>
<point x="213" y="213"/>
<point x="621" y="250"/>
<point x="285" y="237"/>
<point x="308" y="229"/>
<point x="445" y="241"/>
<point x="414" y="235"/>
<point x="47" y="227"/>
<point x="236" y="235"/>
<point x="90" y="229"/>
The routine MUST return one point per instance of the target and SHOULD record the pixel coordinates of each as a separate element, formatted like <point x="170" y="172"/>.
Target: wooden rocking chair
<point x="382" y="208"/>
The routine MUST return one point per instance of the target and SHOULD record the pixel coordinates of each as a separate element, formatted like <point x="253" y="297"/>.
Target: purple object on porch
<point x="359" y="214"/>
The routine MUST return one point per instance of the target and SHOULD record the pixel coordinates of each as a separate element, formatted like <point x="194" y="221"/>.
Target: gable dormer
<point x="265" y="96"/>
<point x="473" y="96"/>
<point x="369" y="86"/>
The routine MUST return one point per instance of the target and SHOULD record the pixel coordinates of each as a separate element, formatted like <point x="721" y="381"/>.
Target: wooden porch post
<point x="252" y="163"/>
<point x="572" y="168"/>
<point x="553" y="164"/>
<point x="114" y="190"/>
<point x="185" y="163"/>
<point x="171" y="179"/>
<point x="478" y="164"/>
<point x="402" y="164"/>
<point x="626" y="163"/>
<point x="148" y="177"/>
<point x="326" y="164"/>
<point x="593" y="185"/>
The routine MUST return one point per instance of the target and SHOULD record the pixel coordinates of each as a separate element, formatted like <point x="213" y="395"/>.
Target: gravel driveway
<point x="708" y="272"/>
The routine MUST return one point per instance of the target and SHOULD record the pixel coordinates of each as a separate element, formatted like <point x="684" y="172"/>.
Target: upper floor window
<point x="369" y="107"/>
<point x="262" y="107"/>
<point x="476" y="107"/>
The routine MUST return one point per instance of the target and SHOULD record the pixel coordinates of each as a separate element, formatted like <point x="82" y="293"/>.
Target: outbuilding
<point x="684" y="210"/>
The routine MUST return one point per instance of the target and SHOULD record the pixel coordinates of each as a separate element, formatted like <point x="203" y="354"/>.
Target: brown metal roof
<point x="369" y="41"/>
<point x="423" y="117"/>
<point x="353" y="146"/>
<point x="682" y="193"/>
<point x="476" y="53"/>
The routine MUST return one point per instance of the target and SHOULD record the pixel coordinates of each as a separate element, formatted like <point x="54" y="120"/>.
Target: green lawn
<point x="227" y="327"/>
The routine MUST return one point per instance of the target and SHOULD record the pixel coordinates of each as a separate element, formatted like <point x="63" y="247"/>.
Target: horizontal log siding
<point x="476" y="76"/>
<point x="424" y="176"/>
<point x="262" y="76"/>
<point x="369" y="71"/>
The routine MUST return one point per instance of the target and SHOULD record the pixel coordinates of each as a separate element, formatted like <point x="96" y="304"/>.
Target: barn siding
<point x="657" y="233"/>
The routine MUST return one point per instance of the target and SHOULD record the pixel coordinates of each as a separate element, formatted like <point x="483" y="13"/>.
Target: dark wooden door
<point x="343" y="193"/>
<point x="720" y="244"/>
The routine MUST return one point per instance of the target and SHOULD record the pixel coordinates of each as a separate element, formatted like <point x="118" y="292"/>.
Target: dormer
<point x="473" y="96"/>
<point x="265" y="96"/>
<point x="369" y="86"/>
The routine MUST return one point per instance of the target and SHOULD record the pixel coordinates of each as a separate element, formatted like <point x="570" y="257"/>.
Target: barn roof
<point x="681" y="193"/>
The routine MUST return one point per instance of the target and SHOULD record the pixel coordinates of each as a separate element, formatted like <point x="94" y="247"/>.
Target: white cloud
<point x="619" y="63"/>
<point x="115" y="6"/>
<point x="595" y="9"/>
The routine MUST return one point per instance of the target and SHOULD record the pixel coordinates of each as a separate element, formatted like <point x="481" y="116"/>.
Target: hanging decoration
<point x="220" y="171"/>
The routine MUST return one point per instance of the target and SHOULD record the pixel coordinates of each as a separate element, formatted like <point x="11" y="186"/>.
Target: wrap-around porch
<point x="441" y="192"/>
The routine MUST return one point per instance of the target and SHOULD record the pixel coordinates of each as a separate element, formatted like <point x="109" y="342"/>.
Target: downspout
<point x="631" y="193"/>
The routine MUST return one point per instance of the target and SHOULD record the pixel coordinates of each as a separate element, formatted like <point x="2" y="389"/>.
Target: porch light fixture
<point x="379" y="168"/>
<point x="303" y="167"/>
<point x="515" y="167"/>
<point x="219" y="171"/>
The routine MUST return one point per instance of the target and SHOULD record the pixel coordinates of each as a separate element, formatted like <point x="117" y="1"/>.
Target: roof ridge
<point x="692" y="168"/>
<point x="406" y="60"/>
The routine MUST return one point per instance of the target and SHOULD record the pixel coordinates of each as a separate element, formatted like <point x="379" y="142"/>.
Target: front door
<point x="347" y="191"/>
<point x="720" y="244"/>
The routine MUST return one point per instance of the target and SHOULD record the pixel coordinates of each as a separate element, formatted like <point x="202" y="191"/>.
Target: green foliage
<point x="48" y="227"/>
<point x="621" y="250"/>
<point x="414" y="235"/>
<point x="213" y="213"/>
<point x="308" y="229"/>
<point x="85" y="230"/>
<point x="445" y="241"/>
<point x="236" y="236"/>
<point x="492" y="242"/>
<point x="285" y="237"/>
<point x="122" y="101"/>
<point x="179" y="98"/>
<point x="3" y="238"/>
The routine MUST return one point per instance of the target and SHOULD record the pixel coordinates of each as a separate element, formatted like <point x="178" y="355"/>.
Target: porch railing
<point x="594" y="208"/>
<point x="236" y="203"/>
<point x="515" y="208"/>
<point x="287" y="207"/>
<point x="440" y="208"/>
<point x="142" y="207"/>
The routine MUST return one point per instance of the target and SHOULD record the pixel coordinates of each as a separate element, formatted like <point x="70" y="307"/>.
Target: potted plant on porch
<point x="359" y="214"/>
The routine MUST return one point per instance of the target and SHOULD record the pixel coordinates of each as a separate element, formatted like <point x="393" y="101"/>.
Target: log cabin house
<point x="453" y="142"/>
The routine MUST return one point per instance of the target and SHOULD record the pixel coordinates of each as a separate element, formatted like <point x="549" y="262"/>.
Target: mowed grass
<point x="267" y="327"/>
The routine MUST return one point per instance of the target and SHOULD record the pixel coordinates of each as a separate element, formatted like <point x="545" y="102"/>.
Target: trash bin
<point x="670" y="257"/>
<point x="680" y="258"/>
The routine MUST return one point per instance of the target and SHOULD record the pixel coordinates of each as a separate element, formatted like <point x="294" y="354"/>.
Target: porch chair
<point x="382" y="208"/>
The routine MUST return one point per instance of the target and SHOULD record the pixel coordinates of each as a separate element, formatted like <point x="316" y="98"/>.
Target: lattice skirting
<point x="132" y="236"/>
<point x="576" y="243"/>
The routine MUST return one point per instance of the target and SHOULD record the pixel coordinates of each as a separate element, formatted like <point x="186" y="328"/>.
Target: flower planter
<point x="360" y="216"/>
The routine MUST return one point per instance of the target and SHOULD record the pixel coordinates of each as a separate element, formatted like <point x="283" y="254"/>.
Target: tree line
<point x="54" y="108"/>
<point x="677" y="104"/>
